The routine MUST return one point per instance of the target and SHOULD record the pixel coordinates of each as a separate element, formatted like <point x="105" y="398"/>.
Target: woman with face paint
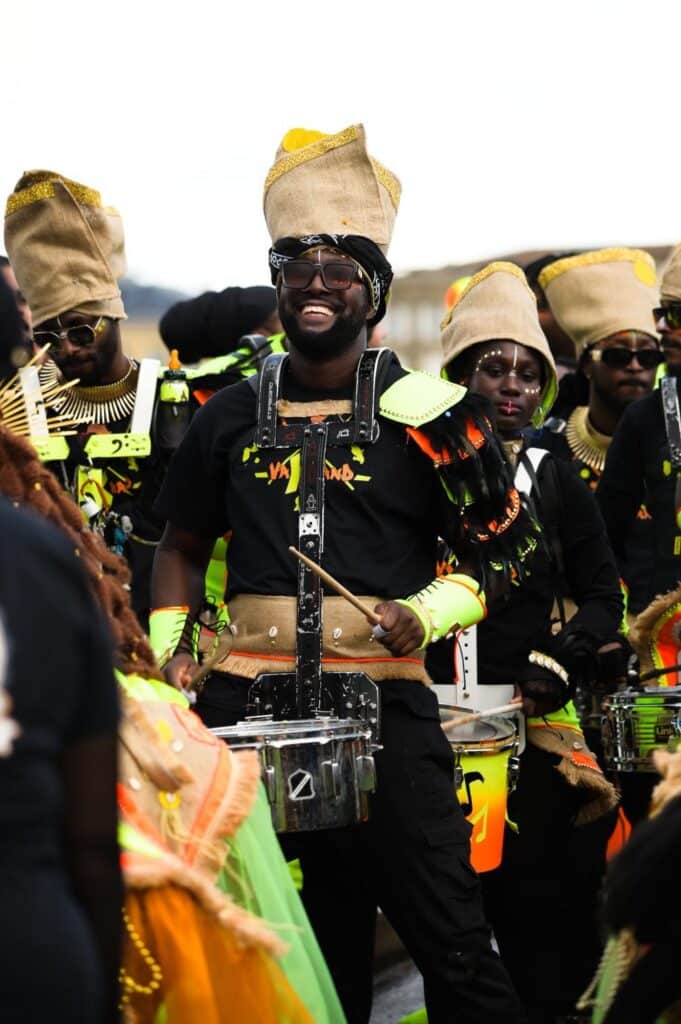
<point x="540" y="904"/>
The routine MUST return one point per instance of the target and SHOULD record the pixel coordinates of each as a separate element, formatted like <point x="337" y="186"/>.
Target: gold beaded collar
<point x="586" y="443"/>
<point x="101" y="403"/>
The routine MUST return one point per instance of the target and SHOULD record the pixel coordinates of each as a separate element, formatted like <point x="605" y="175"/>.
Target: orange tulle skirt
<point x="176" y="956"/>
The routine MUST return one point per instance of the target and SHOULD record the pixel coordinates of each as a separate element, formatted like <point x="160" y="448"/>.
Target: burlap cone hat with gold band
<point x="670" y="285"/>
<point x="497" y="304"/>
<point x="66" y="249"/>
<point x="328" y="184"/>
<point x="596" y="294"/>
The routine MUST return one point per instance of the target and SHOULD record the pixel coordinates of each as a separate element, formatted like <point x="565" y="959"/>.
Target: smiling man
<point x="604" y="300"/>
<point x="342" y="452"/>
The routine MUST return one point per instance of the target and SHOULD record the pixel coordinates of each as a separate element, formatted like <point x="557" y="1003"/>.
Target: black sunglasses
<point x="670" y="314"/>
<point x="337" y="275"/>
<point x="618" y="358"/>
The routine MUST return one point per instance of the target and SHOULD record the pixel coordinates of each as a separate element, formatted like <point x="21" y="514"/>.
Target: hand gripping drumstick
<point x="503" y="709"/>
<point x="338" y="587"/>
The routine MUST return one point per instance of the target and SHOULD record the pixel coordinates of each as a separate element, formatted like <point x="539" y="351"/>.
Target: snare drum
<point x="318" y="772"/>
<point x="636" y="722"/>
<point x="485" y="772"/>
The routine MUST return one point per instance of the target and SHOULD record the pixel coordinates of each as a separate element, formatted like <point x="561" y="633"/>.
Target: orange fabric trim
<point x="559" y="725"/>
<point x="443" y="458"/>
<point x="214" y="797"/>
<point x="328" y="661"/>
<point x="135" y="816"/>
<point x="585" y="761"/>
<point x="202" y="396"/>
<point x="170" y="608"/>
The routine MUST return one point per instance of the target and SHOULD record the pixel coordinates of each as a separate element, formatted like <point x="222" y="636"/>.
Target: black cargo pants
<point x="411" y="859"/>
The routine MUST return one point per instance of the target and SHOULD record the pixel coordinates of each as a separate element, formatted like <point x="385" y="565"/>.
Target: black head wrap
<point x="362" y="250"/>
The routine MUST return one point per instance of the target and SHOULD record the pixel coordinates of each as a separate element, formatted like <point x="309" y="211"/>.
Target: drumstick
<point x="338" y="587"/>
<point x="503" y="709"/>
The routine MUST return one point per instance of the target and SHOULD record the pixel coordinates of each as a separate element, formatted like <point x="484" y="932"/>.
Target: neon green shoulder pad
<point x="418" y="398"/>
<point x="220" y="364"/>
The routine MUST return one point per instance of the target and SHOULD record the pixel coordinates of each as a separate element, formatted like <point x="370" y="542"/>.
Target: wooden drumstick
<point x="338" y="587"/>
<point x="503" y="709"/>
<point x="208" y="666"/>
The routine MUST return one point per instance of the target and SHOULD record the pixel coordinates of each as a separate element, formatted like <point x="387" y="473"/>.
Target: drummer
<point x="330" y="210"/>
<point x="542" y="918"/>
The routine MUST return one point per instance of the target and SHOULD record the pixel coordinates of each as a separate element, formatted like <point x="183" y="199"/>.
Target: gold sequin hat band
<point x="329" y="184"/>
<point x="670" y="285"/>
<point x="596" y="294"/>
<point x="66" y="248"/>
<point x="497" y="304"/>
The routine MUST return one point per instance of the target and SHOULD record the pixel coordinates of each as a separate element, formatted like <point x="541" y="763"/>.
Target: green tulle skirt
<point x="257" y="877"/>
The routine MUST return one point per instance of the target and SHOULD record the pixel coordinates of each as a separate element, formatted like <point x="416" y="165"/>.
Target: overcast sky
<point x="512" y="124"/>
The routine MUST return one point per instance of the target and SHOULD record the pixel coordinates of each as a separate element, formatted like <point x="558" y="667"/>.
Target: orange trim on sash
<point x="202" y="396"/>
<point x="328" y="661"/>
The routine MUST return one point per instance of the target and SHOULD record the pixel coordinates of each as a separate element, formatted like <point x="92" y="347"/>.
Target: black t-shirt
<point x="521" y="620"/>
<point x="59" y="676"/>
<point x="637" y="468"/>
<point x="384" y="504"/>
<point x="635" y="558"/>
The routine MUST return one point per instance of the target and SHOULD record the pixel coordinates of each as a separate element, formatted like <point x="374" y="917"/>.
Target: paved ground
<point x="397" y="991"/>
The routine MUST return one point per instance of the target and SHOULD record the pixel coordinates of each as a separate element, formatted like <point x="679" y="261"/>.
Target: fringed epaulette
<point x="495" y="528"/>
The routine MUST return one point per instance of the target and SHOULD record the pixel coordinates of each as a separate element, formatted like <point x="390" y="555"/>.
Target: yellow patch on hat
<point x="644" y="272"/>
<point x="298" y="138"/>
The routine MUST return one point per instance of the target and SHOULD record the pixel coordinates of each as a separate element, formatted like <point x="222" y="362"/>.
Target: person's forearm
<point x="179" y="570"/>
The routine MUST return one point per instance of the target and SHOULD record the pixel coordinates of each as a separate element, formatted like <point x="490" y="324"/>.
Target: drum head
<point x="494" y="733"/>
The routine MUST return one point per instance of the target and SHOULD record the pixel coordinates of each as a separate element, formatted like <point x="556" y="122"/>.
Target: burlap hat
<point x="596" y="294"/>
<point x="498" y="304"/>
<point x="66" y="249"/>
<point x="328" y="184"/>
<point x="670" y="285"/>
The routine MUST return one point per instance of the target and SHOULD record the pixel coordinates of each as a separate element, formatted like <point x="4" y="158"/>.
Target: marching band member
<point x="493" y="343"/>
<point x="408" y="457"/>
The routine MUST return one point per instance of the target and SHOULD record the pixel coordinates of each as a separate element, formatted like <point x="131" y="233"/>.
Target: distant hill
<point x="147" y="301"/>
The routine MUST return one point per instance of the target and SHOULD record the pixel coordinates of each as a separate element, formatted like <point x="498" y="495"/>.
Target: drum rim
<point x="493" y="744"/>
<point x="300" y="728"/>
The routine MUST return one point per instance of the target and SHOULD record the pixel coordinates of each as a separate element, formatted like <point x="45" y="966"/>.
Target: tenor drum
<point x="318" y="772"/>
<point x="636" y="722"/>
<point x="485" y="772"/>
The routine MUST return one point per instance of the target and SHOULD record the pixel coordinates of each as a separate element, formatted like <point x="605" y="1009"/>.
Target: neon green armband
<point x="448" y="603"/>
<point x="166" y="626"/>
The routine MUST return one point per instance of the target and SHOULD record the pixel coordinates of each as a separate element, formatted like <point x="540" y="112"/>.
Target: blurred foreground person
<point x="638" y="981"/>
<point x="493" y="343"/>
<point x="60" y="885"/>
<point x="22" y="349"/>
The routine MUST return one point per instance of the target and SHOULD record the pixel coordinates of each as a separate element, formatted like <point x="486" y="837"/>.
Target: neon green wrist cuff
<point x="166" y="626"/>
<point x="449" y="602"/>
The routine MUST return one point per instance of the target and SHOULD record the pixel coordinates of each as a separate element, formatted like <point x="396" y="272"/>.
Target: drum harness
<point x="309" y="691"/>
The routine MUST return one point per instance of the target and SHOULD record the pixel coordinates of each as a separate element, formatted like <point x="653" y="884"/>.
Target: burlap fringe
<point x="641" y="629"/>
<point x="602" y="794"/>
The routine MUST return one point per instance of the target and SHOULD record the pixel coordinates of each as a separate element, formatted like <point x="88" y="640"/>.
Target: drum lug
<point x="458" y="776"/>
<point x="331" y="779"/>
<point x="366" y="773"/>
<point x="513" y="772"/>
<point x="270" y="780"/>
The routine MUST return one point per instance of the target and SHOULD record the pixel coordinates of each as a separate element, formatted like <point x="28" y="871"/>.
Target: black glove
<point x="543" y="691"/>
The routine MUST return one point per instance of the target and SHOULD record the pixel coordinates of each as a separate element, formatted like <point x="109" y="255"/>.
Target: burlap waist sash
<point x="264" y="630"/>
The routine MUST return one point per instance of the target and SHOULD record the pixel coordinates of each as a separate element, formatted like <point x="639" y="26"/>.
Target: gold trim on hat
<point x="17" y="201"/>
<point x="588" y="259"/>
<point x="388" y="180"/>
<point x="311" y="152"/>
<point x="45" y="190"/>
<point x="498" y="267"/>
